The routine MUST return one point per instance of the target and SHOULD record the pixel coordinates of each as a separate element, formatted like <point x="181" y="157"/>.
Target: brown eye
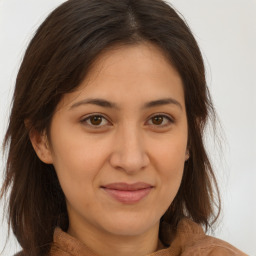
<point x="160" y="121"/>
<point x="157" y="120"/>
<point x="96" y="120"/>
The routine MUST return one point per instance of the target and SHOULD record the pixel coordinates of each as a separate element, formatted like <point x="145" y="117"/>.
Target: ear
<point x="41" y="146"/>
<point x="187" y="155"/>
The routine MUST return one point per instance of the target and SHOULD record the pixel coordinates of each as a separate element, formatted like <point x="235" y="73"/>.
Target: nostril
<point x="130" y="162"/>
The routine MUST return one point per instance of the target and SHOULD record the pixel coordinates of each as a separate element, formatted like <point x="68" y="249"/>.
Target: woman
<point x="106" y="155"/>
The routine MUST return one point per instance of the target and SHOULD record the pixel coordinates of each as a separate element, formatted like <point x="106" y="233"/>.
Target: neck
<point x="136" y="245"/>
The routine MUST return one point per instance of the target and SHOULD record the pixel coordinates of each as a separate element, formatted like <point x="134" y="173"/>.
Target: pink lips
<point x="128" y="193"/>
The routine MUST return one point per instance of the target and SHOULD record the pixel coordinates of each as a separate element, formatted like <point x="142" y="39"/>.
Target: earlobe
<point x="187" y="155"/>
<point x="41" y="146"/>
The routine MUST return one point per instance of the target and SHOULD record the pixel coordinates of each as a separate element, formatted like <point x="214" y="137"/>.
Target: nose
<point x="129" y="153"/>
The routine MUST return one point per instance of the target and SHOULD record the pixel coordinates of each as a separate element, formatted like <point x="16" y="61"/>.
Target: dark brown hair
<point x="56" y="61"/>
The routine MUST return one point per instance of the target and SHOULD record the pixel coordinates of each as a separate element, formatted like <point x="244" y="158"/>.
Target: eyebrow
<point x="162" y="102"/>
<point x="98" y="102"/>
<point x="108" y="104"/>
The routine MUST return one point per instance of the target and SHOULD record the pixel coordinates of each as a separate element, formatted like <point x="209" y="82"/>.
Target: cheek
<point x="75" y="151"/>
<point x="77" y="163"/>
<point x="169" y="154"/>
<point x="169" y="157"/>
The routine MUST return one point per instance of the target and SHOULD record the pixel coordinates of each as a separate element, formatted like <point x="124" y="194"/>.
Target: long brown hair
<point x="56" y="61"/>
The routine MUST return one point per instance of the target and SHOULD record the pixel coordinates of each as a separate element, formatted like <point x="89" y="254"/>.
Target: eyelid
<point x="87" y="117"/>
<point x="164" y="115"/>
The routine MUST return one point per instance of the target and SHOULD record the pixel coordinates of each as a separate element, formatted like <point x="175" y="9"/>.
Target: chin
<point x="130" y="225"/>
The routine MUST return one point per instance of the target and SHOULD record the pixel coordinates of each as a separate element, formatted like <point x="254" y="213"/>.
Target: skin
<point x="126" y="145"/>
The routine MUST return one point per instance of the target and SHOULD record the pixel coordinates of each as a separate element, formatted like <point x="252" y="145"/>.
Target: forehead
<point x="129" y="74"/>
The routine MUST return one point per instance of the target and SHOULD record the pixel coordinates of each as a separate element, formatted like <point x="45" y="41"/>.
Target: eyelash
<point x="84" y="121"/>
<point x="169" y="119"/>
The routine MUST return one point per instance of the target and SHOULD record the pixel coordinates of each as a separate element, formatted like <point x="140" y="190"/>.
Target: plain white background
<point x="226" y="33"/>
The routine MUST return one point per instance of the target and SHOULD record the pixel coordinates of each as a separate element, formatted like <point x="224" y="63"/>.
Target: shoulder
<point x="211" y="246"/>
<point x="191" y="240"/>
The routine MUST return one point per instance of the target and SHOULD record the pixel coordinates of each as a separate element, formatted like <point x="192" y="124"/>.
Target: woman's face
<point x="119" y="142"/>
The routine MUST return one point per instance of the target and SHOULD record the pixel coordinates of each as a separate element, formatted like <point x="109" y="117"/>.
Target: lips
<point x="128" y="187"/>
<point x="128" y="193"/>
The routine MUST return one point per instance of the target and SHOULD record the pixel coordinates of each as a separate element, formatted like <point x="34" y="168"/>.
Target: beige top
<point x="190" y="240"/>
